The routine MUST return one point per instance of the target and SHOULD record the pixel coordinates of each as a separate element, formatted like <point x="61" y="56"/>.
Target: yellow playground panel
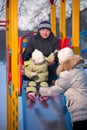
<point x="13" y="50"/>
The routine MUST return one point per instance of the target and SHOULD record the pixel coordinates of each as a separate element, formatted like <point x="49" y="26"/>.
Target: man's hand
<point x="56" y="51"/>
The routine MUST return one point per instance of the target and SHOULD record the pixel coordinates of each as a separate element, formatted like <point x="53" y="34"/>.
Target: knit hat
<point x="45" y="25"/>
<point x="38" y="56"/>
<point x="65" y="54"/>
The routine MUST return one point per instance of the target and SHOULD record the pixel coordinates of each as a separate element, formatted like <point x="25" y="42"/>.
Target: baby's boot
<point x="31" y="91"/>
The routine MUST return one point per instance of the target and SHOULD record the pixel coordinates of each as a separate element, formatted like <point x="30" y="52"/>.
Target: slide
<point x="51" y="116"/>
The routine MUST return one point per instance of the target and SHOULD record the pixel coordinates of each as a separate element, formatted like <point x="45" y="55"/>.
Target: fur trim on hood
<point x="70" y="63"/>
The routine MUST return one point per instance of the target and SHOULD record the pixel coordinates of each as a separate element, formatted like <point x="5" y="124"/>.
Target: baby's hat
<point x="37" y="56"/>
<point x="65" y="54"/>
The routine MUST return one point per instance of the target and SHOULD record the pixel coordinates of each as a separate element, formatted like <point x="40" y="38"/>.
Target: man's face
<point x="44" y="33"/>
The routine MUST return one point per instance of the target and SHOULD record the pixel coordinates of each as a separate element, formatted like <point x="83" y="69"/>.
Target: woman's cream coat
<point x="73" y="83"/>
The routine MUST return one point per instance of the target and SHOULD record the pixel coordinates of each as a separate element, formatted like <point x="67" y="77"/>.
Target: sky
<point x="32" y="12"/>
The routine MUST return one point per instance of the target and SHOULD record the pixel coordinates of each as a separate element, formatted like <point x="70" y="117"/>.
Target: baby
<point x="36" y="69"/>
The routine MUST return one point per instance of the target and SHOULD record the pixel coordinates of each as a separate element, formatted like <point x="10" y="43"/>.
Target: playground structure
<point x="14" y="50"/>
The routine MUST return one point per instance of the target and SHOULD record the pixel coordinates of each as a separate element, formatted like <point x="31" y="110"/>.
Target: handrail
<point x="29" y="33"/>
<point x="3" y="21"/>
<point x="20" y="59"/>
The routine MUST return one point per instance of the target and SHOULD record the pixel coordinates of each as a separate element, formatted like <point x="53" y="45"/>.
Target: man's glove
<point x="55" y="54"/>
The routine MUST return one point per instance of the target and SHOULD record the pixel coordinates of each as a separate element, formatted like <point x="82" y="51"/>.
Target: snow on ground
<point x="2" y="96"/>
<point x="3" y="100"/>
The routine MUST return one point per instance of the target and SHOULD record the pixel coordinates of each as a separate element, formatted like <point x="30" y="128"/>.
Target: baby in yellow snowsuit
<point x="36" y="69"/>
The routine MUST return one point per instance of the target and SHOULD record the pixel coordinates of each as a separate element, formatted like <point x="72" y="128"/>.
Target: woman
<point x="73" y="83"/>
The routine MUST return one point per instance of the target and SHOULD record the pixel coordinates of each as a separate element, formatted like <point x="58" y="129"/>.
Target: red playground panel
<point x="64" y="43"/>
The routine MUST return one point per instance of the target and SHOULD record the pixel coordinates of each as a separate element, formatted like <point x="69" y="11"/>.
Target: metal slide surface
<point x="54" y="117"/>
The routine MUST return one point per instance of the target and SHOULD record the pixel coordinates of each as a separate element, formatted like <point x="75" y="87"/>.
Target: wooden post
<point x="53" y="18"/>
<point x="62" y="19"/>
<point x="76" y="26"/>
<point x="12" y="42"/>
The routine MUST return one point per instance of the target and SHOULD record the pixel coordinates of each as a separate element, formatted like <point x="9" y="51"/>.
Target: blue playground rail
<point x="83" y="35"/>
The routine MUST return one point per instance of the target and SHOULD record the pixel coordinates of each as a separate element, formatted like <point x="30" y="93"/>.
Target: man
<point x="44" y="41"/>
